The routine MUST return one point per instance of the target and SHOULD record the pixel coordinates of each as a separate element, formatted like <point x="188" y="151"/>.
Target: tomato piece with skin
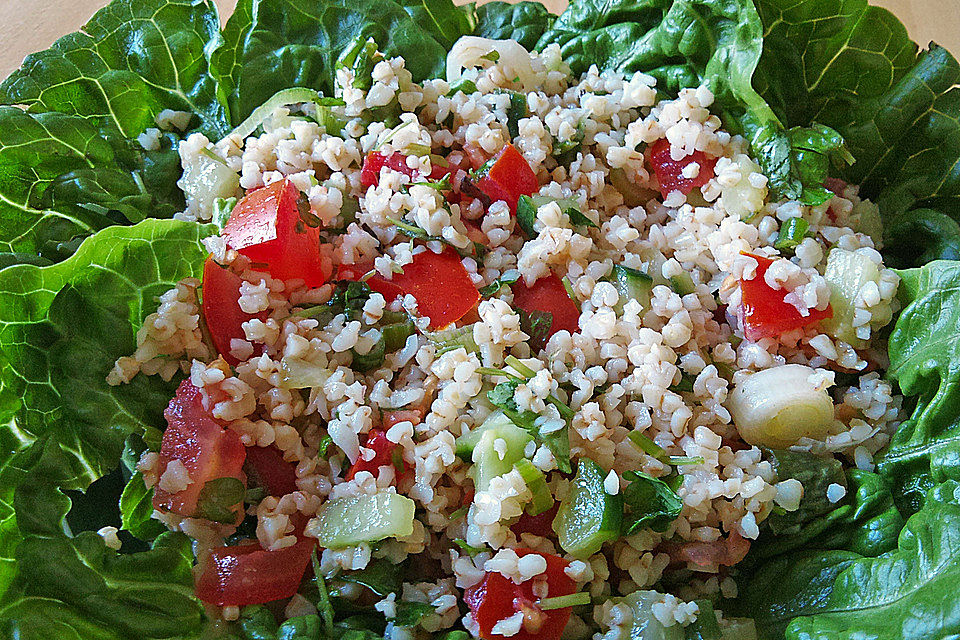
<point x="207" y="450"/>
<point x="548" y="294"/>
<point x="221" y="308"/>
<point x="509" y="177"/>
<point x="247" y="574"/>
<point x="265" y="226"/>
<point x="763" y="311"/>
<point x="375" y="161"/>
<point x="539" y="525"/>
<point x="383" y="456"/>
<point x="670" y="172"/>
<point x="497" y="597"/>
<point x="442" y="287"/>
<point x="354" y="272"/>
<point x="267" y="469"/>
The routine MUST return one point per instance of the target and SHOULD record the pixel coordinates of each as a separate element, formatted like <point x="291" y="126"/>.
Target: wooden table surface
<point x="30" y="26"/>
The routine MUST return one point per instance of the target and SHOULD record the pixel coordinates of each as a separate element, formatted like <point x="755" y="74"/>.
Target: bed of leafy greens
<point x="86" y="244"/>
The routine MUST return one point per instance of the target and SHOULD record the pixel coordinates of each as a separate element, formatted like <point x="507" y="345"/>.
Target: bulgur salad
<point x="394" y="321"/>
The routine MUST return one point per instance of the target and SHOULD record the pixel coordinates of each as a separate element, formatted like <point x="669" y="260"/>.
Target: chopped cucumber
<point x="683" y="284"/>
<point x="454" y="338"/>
<point x="588" y="516"/>
<point x="633" y="194"/>
<point x="346" y="522"/>
<point x="847" y="272"/>
<point x="298" y="374"/>
<point x="497" y="450"/>
<point x="466" y="443"/>
<point x="537" y="483"/>
<point x="631" y="283"/>
<point x="206" y="178"/>
<point x="644" y="625"/>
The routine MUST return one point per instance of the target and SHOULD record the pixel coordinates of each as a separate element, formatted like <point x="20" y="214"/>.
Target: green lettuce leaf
<point x="133" y="59"/>
<point x="63" y="178"/>
<point x="866" y="522"/>
<point x="685" y="44"/>
<point x="524" y="22"/>
<point x="853" y="67"/>
<point x="924" y="352"/>
<point x="75" y="587"/>
<point x="908" y="592"/>
<point x="62" y="327"/>
<point x="276" y="44"/>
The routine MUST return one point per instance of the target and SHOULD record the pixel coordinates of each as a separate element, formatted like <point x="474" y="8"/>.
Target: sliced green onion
<point x="409" y="229"/>
<point x="469" y="548"/>
<point x="646" y="445"/>
<point x="569" y="287"/>
<point x="526" y="215"/>
<point x="309" y="312"/>
<point x="325" y="443"/>
<point x="393" y="133"/>
<point x="519" y="367"/>
<point x="298" y="374"/>
<point x="293" y="95"/>
<point x="324" y="606"/>
<point x="417" y="150"/>
<point x="450" y="339"/>
<point x="562" y="602"/>
<point x="489" y="371"/>
<point x="459" y="513"/>
<point x="207" y="153"/>
<point x="792" y="233"/>
<point x="679" y="461"/>
<point x="537" y="483"/>
<point x="566" y="412"/>
<point x="465" y="85"/>
<point x="683" y="284"/>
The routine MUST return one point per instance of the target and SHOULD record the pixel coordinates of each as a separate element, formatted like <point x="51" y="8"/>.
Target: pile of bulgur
<point x="622" y="367"/>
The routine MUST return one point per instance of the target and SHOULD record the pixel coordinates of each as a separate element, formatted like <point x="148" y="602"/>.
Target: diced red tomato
<point x="247" y="574"/>
<point x="763" y="311"/>
<point x="383" y="455"/>
<point x="221" y="307"/>
<point x="442" y="287"/>
<point x="548" y="294"/>
<point x="509" y="178"/>
<point x="353" y="272"/>
<point x="266" y="227"/>
<point x="539" y="525"/>
<point x="670" y="172"/>
<point x="267" y="468"/>
<point x="206" y="449"/>
<point x="375" y="161"/>
<point x="497" y="597"/>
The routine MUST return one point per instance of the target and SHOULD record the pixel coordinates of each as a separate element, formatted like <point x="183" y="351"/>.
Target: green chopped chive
<point x="645" y="444"/>
<point x="459" y="513"/>
<point x="520" y="368"/>
<point x="417" y="149"/>
<point x="569" y="287"/>
<point x="562" y="602"/>
<point x="488" y="371"/>
<point x="792" y="233"/>
<point x="679" y="461"/>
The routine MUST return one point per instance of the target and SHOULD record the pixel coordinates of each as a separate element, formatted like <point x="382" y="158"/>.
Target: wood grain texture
<point x="34" y="25"/>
